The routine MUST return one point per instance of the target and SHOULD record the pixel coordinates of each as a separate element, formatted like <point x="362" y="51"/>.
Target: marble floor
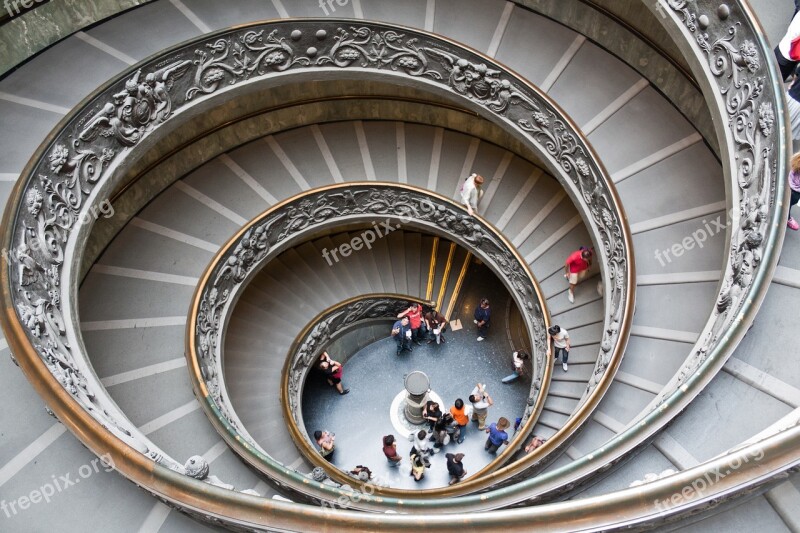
<point x="375" y="377"/>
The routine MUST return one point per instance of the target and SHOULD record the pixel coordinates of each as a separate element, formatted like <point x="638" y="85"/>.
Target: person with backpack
<point x="418" y="466"/>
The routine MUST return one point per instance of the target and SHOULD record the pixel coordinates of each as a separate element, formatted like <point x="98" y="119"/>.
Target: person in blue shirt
<point x="497" y="435"/>
<point x="482" y="317"/>
<point x="401" y="331"/>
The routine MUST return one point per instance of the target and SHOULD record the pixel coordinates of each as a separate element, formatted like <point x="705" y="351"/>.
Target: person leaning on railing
<point x="534" y="443"/>
<point x="518" y="358"/>
<point x="471" y="192"/>
<point x="326" y="444"/>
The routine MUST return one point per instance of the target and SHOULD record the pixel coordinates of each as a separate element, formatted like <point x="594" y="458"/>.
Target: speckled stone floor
<point x="375" y="376"/>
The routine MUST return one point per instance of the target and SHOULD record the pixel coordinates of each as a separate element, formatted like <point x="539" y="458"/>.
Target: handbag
<point x="794" y="49"/>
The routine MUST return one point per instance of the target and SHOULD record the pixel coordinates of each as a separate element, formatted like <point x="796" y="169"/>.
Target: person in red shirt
<point x="390" y="450"/>
<point x="576" y="267"/>
<point x="414" y="314"/>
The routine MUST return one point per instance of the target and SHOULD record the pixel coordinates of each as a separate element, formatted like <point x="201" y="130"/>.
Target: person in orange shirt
<point x="460" y="416"/>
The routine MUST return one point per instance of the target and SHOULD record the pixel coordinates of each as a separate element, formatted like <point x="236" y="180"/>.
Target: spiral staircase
<point x="650" y="113"/>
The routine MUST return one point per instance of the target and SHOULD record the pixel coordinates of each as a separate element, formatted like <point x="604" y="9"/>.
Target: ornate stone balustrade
<point x="289" y="224"/>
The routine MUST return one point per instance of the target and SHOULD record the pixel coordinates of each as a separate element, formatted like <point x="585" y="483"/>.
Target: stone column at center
<point x="417" y="387"/>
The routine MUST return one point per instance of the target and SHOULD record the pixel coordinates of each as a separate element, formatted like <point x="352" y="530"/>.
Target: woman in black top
<point x="333" y="372"/>
<point x="432" y="414"/>
<point x="436" y="324"/>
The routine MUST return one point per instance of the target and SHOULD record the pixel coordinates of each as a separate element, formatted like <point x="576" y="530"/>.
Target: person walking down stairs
<point x="560" y="345"/>
<point x="576" y="268"/>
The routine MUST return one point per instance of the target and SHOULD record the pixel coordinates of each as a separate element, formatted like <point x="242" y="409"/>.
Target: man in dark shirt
<point x="401" y="331"/>
<point x="390" y="450"/>
<point x="482" y="317"/>
<point x="455" y="468"/>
